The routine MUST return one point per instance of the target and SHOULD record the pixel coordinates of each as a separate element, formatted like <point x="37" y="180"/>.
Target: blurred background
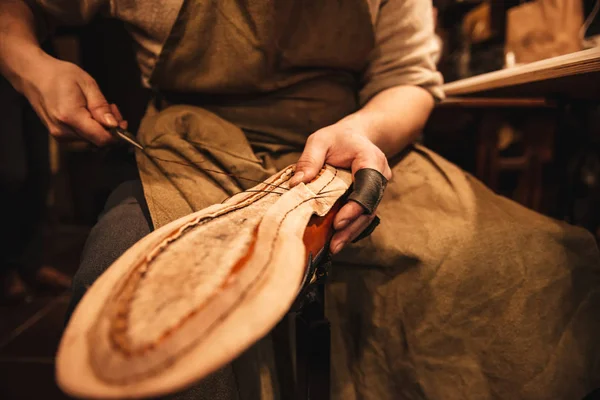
<point x="533" y="139"/>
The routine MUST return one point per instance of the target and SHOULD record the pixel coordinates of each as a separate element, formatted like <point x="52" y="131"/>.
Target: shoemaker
<point x="458" y="294"/>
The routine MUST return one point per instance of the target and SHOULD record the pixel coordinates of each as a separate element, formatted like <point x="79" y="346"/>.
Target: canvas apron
<point x="263" y="75"/>
<point x="442" y="301"/>
<point x="240" y="86"/>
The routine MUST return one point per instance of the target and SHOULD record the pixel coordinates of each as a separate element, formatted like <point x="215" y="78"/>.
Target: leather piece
<point x="368" y="230"/>
<point x="134" y="344"/>
<point x="369" y="185"/>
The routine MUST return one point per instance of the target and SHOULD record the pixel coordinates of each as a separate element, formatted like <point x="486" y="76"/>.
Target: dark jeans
<point x="124" y="221"/>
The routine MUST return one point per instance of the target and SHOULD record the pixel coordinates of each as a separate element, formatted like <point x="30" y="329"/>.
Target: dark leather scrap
<point x="368" y="230"/>
<point x="369" y="185"/>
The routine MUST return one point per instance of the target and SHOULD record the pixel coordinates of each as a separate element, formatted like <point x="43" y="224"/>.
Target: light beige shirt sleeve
<point x="405" y="49"/>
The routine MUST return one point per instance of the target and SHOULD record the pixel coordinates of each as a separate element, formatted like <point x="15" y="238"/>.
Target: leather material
<point x="368" y="230"/>
<point x="240" y="265"/>
<point x="369" y="185"/>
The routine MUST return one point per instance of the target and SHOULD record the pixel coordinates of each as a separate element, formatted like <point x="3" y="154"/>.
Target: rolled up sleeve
<point x="405" y="50"/>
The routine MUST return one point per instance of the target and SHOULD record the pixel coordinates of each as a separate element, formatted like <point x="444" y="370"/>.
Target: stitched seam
<point x="252" y="284"/>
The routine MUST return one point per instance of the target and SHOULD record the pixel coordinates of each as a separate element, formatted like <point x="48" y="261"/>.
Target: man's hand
<point x="343" y="145"/>
<point x="384" y="126"/>
<point x="70" y="103"/>
<point x="64" y="96"/>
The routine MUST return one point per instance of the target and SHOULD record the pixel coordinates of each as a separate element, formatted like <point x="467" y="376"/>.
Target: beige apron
<point x="296" y="64"/>
<point x="459" y="294"/>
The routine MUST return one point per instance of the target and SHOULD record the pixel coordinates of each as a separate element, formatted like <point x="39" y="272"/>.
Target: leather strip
<point x="368" y="230"/>
<point x="369" y="185"/>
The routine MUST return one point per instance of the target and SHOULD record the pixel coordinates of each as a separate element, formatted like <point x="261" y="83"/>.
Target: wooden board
<point x="574" y="75"/>
<point x="487" y="102"/>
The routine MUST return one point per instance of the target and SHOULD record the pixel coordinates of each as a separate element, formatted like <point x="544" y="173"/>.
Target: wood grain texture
<point x="535" y="79"/>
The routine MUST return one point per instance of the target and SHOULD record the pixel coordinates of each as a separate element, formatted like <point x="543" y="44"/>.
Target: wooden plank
<point x="490" y="102"/>
<point x="578" y="63"/>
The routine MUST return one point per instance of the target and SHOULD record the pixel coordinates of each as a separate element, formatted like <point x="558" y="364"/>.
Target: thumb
<point x="310" y="162"/>
<point x="97" y="104"/>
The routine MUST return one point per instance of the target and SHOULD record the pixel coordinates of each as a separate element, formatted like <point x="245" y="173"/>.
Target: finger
<point x="97" y="104"/>
<point x="311" y="161"/>
<point x="375" y="160"/>
<point x="46" y="120"/>
<point x="58" y="130"/>
<point x="62" y="133"/>
<point x="115" y="110"/>
<point x="387" y="171"/>
<point x="343" y="237"/>
<point x="368" y="188"/>
<point x="347" y="214"/>
<point x="88" y="128"/>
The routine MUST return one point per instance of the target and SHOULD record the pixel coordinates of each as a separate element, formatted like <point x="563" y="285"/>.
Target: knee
<point x="117" y="230"/>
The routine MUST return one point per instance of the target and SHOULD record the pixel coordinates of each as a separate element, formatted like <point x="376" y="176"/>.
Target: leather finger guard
<point x="369" y="185"/>
<point x="368" y="230"/>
